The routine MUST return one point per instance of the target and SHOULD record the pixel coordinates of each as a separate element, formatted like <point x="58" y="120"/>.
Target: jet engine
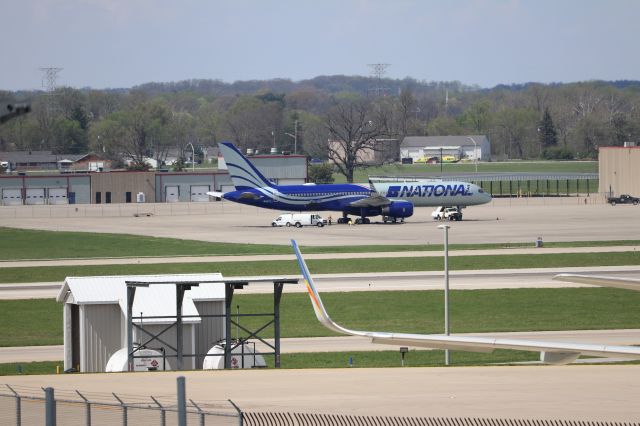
<point x="398" y="209"/>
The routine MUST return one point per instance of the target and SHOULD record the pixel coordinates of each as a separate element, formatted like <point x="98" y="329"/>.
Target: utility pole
<point x="446" y="287"/>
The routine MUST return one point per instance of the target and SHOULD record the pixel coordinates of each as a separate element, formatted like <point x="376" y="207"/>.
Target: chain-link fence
<point x="38" y="407"/>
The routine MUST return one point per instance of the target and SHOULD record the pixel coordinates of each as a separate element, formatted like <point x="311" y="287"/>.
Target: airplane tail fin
<point x="244" y="175"/>
<point x="316" y="302"/>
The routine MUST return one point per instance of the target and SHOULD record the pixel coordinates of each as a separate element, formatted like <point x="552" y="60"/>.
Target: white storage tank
<point x="243" y="356"/>
<point x="153" y="360"/>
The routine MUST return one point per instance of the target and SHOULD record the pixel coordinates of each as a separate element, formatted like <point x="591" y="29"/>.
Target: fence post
<point x="18" y="406"/>
<point x="182" y="404"/>
<point x="88" y="409"/>
<point x="240" y="413"/>
<point x="124" y="409"/>
<point x="163" y="413"/>
<point x="199" y="411"/>
<point x="50" y="407"/>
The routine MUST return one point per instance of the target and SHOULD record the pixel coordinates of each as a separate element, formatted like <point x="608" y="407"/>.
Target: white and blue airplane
<point x="253" y="188"/>
<point x="550" y="352"/>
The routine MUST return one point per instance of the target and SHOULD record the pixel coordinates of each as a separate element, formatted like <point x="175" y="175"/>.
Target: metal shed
<point x="95" y="316"/>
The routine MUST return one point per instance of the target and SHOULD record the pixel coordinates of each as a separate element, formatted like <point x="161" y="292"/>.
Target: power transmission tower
<point x="378" y="71"/>
<point x="49" y="79"/>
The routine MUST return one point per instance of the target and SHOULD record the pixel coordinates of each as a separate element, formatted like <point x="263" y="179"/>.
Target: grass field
<point x="39" y="322"/>
<point x="326" y="266"/>
<point x="19" y="244"/>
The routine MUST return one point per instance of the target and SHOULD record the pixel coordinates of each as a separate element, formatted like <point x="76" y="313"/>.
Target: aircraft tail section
<point x="318" y="307"/>
<point x="244" y="175"/>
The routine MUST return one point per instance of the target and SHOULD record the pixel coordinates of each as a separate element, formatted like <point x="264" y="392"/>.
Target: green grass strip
<point x="39" y="322"/>
<point x="30" y="368"/>
<point x="18" y="244"/>
<point x="326" y="266"/>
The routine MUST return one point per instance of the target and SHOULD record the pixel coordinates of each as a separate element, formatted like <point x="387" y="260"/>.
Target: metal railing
<point x="38" y="407"/>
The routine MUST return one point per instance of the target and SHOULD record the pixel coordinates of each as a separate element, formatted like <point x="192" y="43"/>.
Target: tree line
<point x="530" y="121"/>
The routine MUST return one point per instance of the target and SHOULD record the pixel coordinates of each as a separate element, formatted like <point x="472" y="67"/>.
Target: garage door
<point x="58" y="196"/>
<point x="172" y="194"/>
<point x="199" y="193"/>
<point x="35" y="196"/>
<point x="12" y="197"/>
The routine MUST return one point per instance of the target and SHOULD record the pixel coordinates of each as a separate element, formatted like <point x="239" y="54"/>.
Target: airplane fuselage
<point x="327" y="197"/>
<point x="433" y="193"/>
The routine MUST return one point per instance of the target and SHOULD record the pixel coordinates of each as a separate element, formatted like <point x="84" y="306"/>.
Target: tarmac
<point x="575" y="392"/>
<point x="505" y="220"/>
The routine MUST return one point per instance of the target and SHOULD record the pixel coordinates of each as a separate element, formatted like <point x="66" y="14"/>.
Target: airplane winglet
<point x="316" y="301"/>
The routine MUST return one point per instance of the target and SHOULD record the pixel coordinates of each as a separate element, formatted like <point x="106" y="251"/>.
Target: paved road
<point x="587" y="393"/>
<point x="390" y="281"/>
<point x="279" y="257"/>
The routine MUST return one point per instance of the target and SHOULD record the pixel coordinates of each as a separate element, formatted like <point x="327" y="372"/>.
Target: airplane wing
<point x="372" y="201"/>
<point x="550" y="352"/>
<point x="602" y="281"/>
<point x="216" y="194"/>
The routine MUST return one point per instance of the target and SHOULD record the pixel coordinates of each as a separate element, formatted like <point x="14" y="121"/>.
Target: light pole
<point x="193" y="157"/>
<point x="446" y="287"/>
<point x="294" y="136"/>
<point x="475" y="151"/>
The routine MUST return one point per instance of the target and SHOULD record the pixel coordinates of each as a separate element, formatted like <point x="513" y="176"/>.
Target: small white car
<point x="299" y="220"/>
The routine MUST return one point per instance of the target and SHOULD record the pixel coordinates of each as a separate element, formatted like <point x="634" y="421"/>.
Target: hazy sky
<point x="122" y="43"/>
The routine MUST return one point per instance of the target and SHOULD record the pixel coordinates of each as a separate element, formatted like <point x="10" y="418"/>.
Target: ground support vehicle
<point x="299" y="220"/>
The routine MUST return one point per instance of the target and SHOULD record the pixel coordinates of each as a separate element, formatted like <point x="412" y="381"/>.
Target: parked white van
<point x="299" y="219"/>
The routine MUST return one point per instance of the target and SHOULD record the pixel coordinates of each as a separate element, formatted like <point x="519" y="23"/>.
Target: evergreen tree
<point x="547" y="131"/>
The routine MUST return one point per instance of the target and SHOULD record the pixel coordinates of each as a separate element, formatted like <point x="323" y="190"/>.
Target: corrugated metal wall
<point x="210" y="330"/>
<point x="100" y="336"/>
<point x="619" y="170"/>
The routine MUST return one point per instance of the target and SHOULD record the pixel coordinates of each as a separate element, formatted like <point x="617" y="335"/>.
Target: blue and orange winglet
<point x="316" y="301"/>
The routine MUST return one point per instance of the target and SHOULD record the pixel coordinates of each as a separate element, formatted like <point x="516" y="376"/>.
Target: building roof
<point x="155" y="300"/>
<point x="441" y="141"/>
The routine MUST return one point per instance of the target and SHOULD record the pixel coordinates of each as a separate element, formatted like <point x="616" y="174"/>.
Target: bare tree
<point x="353" y="127"/>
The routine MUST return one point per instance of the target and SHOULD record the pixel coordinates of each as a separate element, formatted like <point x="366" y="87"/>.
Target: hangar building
<point x="458" y="146"/>
<point x="130" y="187"/>
<point x="95" y="317"/>
<point x="619" y="168"/>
